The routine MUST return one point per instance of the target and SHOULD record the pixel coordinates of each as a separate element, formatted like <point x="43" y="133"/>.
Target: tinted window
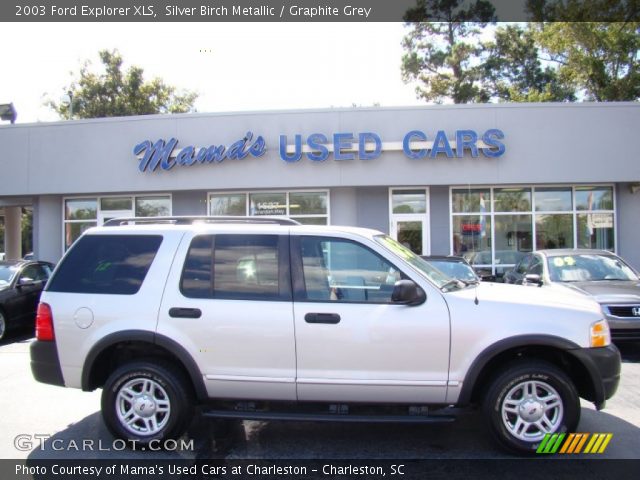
<point x="241" y="267"/>
<point x="340" y="270"/>
<point x="536" y="266"/>
<point x="107" y="264"/>
<point x="35" y="272"/>
<point x="524" y="265"/>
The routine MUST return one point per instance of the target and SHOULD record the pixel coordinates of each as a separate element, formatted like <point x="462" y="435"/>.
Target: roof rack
<point x="190" y="220"/>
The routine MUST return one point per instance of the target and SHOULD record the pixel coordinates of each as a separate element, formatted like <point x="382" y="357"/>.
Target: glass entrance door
<point x="411" y="232"/>
<point x="409" y="220"/>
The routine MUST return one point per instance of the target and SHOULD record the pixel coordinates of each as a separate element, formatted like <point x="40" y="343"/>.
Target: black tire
<point x="140" y="392"/>
<point x="544" y="398"/>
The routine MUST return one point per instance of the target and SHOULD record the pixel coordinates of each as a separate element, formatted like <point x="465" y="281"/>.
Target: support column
<point x="12" y="233"/>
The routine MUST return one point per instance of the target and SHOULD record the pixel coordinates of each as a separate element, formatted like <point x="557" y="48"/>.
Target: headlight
<point x="600" y="336"/>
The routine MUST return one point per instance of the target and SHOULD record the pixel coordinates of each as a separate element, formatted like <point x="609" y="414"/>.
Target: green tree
<point x="444" y="56"/>
<point x="114" y="93"/>
<point x="601" y="59"/>
<point x="582" y="10"/>
<point x="514" y="72"/>
<point x="27" y="230"/>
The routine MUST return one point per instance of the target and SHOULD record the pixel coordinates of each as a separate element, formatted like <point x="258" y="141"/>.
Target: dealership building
<point x="485" y="181"/>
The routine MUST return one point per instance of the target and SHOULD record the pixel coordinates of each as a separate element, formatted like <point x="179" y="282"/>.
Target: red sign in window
<point x="471" y="227"/>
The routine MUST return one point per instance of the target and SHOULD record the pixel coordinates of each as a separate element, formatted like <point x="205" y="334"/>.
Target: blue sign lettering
<point x="342" y="141"/>
<point x="316" y="142"/>
<point x="296" y="155"/>
<point x="490" y="138"/>
<point x="466" y="139"/>
<point x="441" y="145"/>
<point x="161" y="154"/>
<point x="362" y="144"/>
<point x="406" y="144"/>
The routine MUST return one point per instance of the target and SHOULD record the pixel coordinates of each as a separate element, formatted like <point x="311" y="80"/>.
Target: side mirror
<point x="532" y="278"/>
<point x="407" y="292"/>
<point x="26" y="282"/>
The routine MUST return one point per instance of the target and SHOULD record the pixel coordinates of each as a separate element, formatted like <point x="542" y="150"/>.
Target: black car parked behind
<point x="21" y="283"/>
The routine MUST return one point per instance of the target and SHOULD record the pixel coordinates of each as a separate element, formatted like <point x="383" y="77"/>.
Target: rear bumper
<point x="45" y="365"/>
<point x="603" y="366"/>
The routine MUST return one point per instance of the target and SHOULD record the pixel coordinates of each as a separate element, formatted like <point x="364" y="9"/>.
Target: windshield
<point x="441" y="280"/>
<point x="6" y="274"/>
<point x="588" y="267"/>
<point x="453" y="269"/>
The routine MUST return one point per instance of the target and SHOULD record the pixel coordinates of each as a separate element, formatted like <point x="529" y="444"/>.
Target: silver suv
<point x="268" y="319"/>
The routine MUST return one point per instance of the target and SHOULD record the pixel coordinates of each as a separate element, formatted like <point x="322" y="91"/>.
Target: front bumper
<point x="603" y="366"/>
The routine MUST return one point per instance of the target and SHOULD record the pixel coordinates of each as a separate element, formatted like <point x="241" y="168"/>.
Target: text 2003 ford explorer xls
<point x="268" y="319"/>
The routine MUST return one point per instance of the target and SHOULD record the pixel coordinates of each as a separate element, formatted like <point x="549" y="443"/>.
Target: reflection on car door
<point x="352" y="342"/>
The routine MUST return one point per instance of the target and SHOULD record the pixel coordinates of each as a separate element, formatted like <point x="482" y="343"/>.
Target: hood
<point x="607" y="291"/>
<point x="529" y="296"/>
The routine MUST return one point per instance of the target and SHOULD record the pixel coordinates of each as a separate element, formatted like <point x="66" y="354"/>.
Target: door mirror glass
<point x="26" y="282"/>
<point x="406" y="292"/>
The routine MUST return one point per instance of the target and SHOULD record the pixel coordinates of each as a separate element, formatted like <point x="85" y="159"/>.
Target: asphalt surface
<point x="46" y="422"/>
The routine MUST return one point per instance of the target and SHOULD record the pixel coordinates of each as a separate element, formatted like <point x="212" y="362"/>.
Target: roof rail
<point x="190" y="220"/>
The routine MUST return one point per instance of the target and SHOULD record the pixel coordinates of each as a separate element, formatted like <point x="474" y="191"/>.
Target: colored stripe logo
<point x="574" y="443"/>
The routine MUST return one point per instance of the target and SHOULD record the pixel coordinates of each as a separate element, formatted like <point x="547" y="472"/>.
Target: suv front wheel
<point x="527" y="401"/>
<point x="146" y="401"/>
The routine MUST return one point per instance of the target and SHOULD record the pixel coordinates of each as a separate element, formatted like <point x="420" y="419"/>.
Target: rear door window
<point x="237" y="267"/>
<point x="106" y="264"/>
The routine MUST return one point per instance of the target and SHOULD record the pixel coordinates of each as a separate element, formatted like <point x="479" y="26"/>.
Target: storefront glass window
<point x="81" y="209"/>
<point x="268" y="204"/>
<point x="115" y="203"/>
<point x="311" y="208"/>
<point x="228" y="204"/>
<point x="311" y="220"/>
<point x="158" y="206"/>
<point x="542" y="218"/>
<point x="83" y="213"/>
<point x="471" y="200"/>
<point x="73" y="230"/>
<point x="554" y="231"/>
<point x="472" y="238"/>
<point x="409" y="201"/>
<point x="553" y="199"/>
<point x="307" y="203"/>
<point x="595" y="230"/>
<point x="512" y="199"/>
<point x="594" y="198"/>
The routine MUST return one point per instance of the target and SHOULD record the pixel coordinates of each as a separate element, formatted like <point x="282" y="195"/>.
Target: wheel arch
<point x="549" y="348"/>
<point x="117" y="348"/>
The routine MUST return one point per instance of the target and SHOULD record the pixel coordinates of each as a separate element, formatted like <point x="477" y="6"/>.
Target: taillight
<point x="44" y="323"/>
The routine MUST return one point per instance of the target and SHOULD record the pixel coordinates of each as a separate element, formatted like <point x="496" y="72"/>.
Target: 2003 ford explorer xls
<point x="268" y="319"/>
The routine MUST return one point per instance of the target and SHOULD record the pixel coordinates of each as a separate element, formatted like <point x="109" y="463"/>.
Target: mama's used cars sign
<point x="318" y="147"/>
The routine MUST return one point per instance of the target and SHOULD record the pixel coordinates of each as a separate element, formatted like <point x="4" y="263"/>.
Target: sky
<point x="233" y="66"/>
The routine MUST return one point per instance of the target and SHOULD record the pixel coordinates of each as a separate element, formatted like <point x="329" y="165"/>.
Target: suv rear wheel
<point x="527" y="401"/>
<point x="147" y="400"/>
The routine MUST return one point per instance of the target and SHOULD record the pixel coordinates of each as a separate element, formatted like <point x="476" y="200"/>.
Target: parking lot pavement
<point x="41" y="421"/>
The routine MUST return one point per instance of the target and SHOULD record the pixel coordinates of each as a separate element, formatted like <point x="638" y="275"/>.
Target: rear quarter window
<point x="106" y="264"/>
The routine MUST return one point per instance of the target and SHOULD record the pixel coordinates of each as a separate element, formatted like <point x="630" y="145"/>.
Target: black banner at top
<point x="319" y="10"/>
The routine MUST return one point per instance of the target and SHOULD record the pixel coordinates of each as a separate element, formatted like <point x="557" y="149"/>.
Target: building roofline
<point x="324" y="111"/>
